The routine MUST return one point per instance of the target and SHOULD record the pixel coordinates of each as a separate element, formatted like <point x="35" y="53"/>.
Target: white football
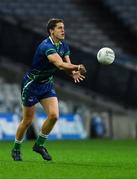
<point x="106" y="56"/>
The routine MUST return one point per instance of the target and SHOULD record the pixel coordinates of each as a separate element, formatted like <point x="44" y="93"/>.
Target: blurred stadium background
<point x="103" y="106"/>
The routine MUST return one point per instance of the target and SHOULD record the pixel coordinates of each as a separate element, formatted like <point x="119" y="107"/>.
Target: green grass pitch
<point x="73" y="159"/>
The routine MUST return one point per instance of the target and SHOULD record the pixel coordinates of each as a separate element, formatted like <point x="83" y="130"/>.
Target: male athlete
<point x="37" y="86"/>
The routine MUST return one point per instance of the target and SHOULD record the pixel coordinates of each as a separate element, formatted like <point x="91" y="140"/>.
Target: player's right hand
<point x="82" y="69"/>
<point x="77" y="76"/>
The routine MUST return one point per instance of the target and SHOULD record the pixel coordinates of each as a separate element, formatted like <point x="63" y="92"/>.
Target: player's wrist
<point x="73" y="72"/>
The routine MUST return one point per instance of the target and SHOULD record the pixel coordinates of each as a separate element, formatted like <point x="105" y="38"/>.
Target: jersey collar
<point x="53" y="42"/>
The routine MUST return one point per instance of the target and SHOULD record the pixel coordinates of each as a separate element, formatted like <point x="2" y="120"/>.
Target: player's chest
<point x="60" y="50"/>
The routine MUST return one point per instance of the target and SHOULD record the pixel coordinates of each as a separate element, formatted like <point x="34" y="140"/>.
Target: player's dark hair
<point x="52" y="24"/>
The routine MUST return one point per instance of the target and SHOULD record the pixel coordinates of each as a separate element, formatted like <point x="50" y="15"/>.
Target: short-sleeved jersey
<point x="41" y="68"/>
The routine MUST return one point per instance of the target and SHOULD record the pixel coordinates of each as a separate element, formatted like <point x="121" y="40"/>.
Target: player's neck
<point x="54" y="40"/>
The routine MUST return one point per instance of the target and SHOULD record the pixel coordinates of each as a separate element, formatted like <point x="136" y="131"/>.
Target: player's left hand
<point x="78" y="77"/>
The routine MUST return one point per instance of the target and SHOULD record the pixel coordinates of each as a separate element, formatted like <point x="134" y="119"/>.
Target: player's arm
<point x="67" y="59"/>
<point x="76" y="75"/>
<point x="58" y="62"/>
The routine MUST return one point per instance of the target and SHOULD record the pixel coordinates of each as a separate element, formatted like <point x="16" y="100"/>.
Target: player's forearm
<point x="68" y="66"/>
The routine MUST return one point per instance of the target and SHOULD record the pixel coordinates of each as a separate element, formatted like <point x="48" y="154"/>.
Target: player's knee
<point x="29" y="116"/>
<point x="27" y="119"/>
<point x="26" y="123"/>
<point x="53" y="117"/>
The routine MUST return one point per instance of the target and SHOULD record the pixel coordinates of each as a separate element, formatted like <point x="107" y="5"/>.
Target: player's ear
<point x="51" y="31"/>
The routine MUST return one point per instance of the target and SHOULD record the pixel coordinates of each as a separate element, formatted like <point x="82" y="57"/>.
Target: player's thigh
<point x="28" y="113"/>
<point x="50" y="106"/>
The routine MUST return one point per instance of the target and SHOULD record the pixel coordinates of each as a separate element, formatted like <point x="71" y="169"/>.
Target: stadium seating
<point x="126" y="10"/>
<point x="82" y="32"/>
<point x="9" y="97"/>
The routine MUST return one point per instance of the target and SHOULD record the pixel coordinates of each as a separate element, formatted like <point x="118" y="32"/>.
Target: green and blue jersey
<point x="41" y="68"/>
<point x="38" y="83"/>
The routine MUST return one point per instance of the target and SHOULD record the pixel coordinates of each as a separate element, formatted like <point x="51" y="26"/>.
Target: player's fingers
<point x="81" y="79"/>
<point x="82" y="76"/>
<point x="77" y="80"/>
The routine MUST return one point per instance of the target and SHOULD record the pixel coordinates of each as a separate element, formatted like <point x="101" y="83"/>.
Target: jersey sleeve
<point x="66" y="50"/>
<point x="49" y="49"/>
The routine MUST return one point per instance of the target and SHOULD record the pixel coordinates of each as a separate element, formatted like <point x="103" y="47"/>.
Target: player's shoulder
<point x="45" y="46"/>
<point x="46" y="43"/>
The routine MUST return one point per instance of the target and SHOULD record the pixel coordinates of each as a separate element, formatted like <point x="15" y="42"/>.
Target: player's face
<point x="59" y="32"/>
